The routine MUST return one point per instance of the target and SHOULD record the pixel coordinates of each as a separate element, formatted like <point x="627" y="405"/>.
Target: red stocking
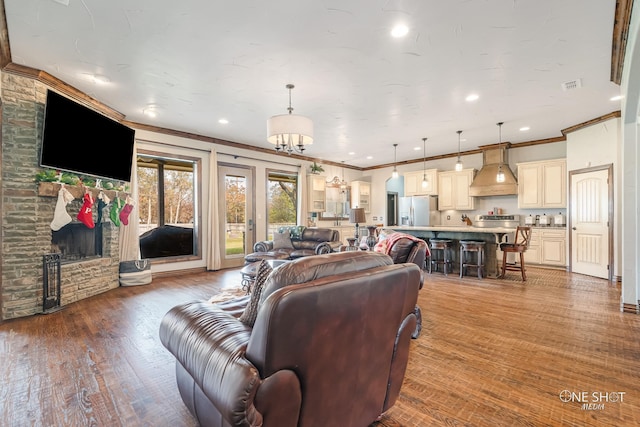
<point x="124" y="213"/>
<point x="86" y="212"/>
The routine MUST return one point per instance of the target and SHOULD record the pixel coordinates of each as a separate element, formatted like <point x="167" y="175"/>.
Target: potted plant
<point x="316" y="168"/>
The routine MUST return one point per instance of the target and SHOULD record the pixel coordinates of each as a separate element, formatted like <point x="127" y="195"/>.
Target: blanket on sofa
<point x="386" y="242"/>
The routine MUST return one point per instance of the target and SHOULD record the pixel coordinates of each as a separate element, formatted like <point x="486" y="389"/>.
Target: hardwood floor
<point x="491" y="353"/>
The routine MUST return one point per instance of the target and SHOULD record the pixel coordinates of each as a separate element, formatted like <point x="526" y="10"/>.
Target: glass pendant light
<point x="500" y="175"/>
<point x="394" y="174"/>
<point x="425" y="183"/>
<point x="459" y="162"/>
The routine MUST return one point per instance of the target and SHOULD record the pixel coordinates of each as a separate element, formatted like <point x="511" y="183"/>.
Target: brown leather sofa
<point x="329" y="346"/>
<point x="305" y="241"/>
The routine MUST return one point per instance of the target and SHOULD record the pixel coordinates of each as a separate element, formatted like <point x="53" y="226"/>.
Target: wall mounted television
<point x="78" y="139"/>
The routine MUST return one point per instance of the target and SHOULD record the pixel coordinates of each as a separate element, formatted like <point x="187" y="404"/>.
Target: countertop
<point x="454" y="228"/>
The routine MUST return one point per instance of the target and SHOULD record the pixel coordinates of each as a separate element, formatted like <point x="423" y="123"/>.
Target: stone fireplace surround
<point x="27" y="211"/>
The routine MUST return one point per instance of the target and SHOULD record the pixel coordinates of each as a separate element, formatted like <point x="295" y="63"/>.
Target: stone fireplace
<point x="28" y="208"/>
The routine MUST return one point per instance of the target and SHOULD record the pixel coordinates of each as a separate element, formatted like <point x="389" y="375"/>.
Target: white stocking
<point x="60" y="216"/>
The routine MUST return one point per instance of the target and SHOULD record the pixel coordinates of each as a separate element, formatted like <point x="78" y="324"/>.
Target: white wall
<point x="600" y="145"/>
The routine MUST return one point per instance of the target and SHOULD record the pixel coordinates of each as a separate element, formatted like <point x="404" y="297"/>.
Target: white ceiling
<point x="199" y="61"/>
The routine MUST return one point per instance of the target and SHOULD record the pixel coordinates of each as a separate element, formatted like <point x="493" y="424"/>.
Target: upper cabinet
<point x="542" y="184"/>
<point x="361" y="195"/>
<point x="453" y="190"/>
<point x="413" y="183"/>
<point x="317" y="193"/>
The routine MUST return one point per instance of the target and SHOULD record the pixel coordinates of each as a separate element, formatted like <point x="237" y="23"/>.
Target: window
<point x="167" y="206"/>
<point x="282" y="200"/>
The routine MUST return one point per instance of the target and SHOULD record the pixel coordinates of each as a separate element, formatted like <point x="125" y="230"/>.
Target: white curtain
<point x="128" y="234"/>
<point x="214" y="256"/>
<point x="303" y="211"/>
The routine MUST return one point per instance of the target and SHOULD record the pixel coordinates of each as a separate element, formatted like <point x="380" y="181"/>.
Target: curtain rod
<point x="238" y="156"/>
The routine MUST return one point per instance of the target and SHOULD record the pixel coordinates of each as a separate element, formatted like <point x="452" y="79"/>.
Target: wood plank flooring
<point x="491" y="353"/>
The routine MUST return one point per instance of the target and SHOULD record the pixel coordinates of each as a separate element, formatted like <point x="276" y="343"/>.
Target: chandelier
<point x="290" y="132"/>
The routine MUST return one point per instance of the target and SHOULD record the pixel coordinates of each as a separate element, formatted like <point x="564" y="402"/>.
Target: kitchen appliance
<point x="530" y="220"/>
<point x="559" y="220"/>
<point x="418" y="211"/>
<point x="497" y="221"/>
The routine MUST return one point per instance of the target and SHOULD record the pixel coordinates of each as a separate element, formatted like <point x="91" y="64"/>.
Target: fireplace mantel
<point x="51" y="189"/>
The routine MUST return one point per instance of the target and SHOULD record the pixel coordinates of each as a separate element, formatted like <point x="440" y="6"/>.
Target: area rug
<point x="226" y="295"/>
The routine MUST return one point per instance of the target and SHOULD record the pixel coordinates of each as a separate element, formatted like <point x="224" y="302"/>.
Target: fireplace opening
<point x="75" y="242"/>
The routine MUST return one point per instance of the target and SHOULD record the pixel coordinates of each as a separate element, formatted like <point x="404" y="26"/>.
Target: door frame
<point x="610" y="213"/>
<point x="250" y="234"/>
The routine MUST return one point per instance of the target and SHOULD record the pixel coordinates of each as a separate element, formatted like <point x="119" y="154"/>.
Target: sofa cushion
<point x="248" y="316"/>
<point x="310" y="268"/>
<point x="282" y="240"/>
<point x="319" y="234"/>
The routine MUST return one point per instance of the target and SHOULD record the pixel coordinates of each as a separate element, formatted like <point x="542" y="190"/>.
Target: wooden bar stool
<point x="467" y="249"/>
<point x="520" y="245"/>
<point x="441" y="255"/>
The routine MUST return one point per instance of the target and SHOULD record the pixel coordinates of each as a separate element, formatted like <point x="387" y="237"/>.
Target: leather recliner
<point x="329" y="346"/>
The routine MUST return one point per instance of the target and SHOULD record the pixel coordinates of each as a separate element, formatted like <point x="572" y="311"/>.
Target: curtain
<point x="214" y="257"/>
<point x="303" y="196"/>
<point x="128" y="234"/>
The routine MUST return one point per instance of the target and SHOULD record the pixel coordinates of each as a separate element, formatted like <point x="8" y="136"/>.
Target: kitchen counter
<point x="492" y="236"/>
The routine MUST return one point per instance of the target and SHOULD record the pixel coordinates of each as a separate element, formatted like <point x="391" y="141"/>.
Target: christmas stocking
<point x="61" y="217"/>
<point x="86" y="211"/>
<point x="114" y="214"/>
<point x="103" y="201"/>
<point x="126" y="210"/>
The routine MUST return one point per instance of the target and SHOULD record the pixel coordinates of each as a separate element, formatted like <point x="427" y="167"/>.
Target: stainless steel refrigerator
<point x="419" y="211"/>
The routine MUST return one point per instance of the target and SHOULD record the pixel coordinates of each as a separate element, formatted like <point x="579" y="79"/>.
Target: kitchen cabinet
<point x="413" y="183"/>
<point x="547" y="247"/>
<point x="317" y="185"/>
<point x="361" y="195"/>
<point x="453" y="190"/>
<point x="542" y="184"/>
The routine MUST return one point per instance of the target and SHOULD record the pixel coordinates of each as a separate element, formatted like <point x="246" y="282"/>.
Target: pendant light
<point x="500" y="175"/>
<point x="290" y="132"/>
<point x="425" y="183"/>
<point x="459" y="162"/>
<point x="394" y="174"/>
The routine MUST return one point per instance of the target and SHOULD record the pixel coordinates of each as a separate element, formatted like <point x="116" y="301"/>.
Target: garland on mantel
<point x="52" y="175"/>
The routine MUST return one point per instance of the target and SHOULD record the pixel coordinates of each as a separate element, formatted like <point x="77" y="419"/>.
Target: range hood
<point x="484" y="184"/>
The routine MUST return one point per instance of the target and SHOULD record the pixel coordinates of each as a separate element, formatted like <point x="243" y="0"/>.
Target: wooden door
<point x="590" y="222"/>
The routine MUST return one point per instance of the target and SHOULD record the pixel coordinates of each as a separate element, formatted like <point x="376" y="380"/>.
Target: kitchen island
<point x="492" y="236"/>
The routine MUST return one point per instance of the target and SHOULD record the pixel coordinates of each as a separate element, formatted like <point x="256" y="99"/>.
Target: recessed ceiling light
<point x="616" y="98"/>
<point x="150" y="110"/>
<point x="400" y="30"/>
<point x="369" y="157"/>
<point x="417" y="148"/>
<point x="472" y="97"/>
<point x="524" y="128"/>
<point x="351" y="153"/>
<point x="223" y="121"/>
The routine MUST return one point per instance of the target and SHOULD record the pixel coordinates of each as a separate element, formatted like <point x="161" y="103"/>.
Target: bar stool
<point x="441" y="255"/>
<point x="467" y="248"/>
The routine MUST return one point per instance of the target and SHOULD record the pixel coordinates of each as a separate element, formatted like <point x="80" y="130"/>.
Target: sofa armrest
<point x="210" y="345"/>
<point x="264" y="246"/>
<point x="326" y="248"/>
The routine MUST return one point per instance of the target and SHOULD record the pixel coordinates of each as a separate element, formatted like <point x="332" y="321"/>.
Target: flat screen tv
<point x="80" y="140"/>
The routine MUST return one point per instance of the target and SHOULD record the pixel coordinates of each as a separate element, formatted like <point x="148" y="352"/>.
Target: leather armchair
<point x="330" y="345"/>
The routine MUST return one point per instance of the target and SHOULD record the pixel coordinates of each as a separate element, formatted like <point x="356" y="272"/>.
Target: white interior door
<point x="236" y="211"/>
<point x="589" y="221"/>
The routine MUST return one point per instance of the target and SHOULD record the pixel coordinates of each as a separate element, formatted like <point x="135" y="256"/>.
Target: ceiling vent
<point x="572" y="84"/>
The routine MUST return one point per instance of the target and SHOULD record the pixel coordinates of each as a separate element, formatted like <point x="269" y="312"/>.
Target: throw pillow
<point x="282" y="240"/>
<point x="248" y="316"/>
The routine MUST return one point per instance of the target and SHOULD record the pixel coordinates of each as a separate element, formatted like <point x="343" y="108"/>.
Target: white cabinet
<point x="542" y="184"/>
<point x="453" y="190"/>
<point x="317" y="193"/>
<point x="548" y="247"/>
<point x="413" y="183"/>
<point x="361" y="195"/>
